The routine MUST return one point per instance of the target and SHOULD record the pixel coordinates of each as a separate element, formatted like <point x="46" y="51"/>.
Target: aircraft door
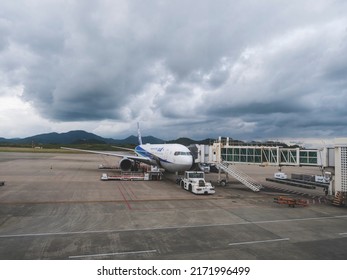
<point x="167" y="155"/>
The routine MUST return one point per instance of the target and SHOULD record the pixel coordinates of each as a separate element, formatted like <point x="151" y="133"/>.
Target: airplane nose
<point x="190" y="161"/>
<point x="186" y="162"/>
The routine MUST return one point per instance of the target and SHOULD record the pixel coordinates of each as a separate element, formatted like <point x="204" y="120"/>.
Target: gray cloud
<point x="244" y="68"/>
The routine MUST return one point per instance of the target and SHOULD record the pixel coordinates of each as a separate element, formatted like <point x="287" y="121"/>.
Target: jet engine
<point x="126" y="164"/>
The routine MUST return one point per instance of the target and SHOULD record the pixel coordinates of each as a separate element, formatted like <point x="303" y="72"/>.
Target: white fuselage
<point x="171" y="157"/>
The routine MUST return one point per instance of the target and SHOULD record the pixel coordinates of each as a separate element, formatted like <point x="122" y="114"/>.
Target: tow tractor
<point x="194" y="181"/>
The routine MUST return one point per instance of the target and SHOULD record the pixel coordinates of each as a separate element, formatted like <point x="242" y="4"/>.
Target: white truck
<point x="194" y="181"/>
<point x="280" y="175"/>
<point x="322" y="179"/>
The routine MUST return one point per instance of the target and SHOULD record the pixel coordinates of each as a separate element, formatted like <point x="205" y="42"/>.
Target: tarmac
<point x="54" y="206"/>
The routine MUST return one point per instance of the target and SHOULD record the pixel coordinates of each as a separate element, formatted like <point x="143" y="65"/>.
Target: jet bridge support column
<point x="278" y="156"/>
<point x="216" y="157"/>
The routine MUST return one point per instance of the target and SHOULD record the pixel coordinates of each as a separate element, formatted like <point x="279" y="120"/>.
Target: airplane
<point x="171" y="157"/>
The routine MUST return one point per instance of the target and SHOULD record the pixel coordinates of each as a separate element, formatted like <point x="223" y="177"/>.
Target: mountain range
<point x="83" y="137"/>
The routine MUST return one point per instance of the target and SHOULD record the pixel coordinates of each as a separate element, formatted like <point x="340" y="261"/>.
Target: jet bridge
<point x="257" y="155"/>
<point x="224" y="154"/>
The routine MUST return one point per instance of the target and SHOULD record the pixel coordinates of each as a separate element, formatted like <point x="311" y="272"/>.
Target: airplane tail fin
<point x="139" y="134"/>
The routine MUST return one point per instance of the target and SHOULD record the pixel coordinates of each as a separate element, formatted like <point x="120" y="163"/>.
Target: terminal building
<point x="340" y="164"/>
<point x="225" y="154"/>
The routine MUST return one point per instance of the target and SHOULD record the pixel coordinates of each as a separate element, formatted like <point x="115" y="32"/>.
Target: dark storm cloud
<point x="257" y="108"/>
<point x="242" y="67"/>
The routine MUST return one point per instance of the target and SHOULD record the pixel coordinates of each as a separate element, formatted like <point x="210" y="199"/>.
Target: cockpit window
<point x="182" y="153"/>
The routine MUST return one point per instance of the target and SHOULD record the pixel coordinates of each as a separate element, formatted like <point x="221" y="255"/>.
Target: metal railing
<point x="240" y="176"/>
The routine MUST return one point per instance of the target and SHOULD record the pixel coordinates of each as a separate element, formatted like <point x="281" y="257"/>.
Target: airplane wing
<point x="132" y="157"/>
<point x="123" y="148"/>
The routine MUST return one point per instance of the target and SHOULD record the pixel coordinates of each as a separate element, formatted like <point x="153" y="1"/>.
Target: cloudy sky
<point x="247" y="69"/>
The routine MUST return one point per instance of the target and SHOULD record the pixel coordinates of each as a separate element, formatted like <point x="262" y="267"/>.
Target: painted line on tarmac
<point x="112" y="254"/>
<point x="299" y="219"/>
<point x="260" y="241"/>
<point x="170" y="228"/>
<point x="57" y="233"/>
<point x="343" y="233"/>
<point x="125" y="200"/>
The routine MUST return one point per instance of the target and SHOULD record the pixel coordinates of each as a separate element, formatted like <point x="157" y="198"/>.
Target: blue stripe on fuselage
<point x="144" y="153"/>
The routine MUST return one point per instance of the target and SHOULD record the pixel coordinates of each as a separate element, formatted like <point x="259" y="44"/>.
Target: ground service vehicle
<point x="194" y="181"/>
<point x="280" y="175"/>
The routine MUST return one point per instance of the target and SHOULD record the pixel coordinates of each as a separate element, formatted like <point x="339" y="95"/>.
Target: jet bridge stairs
<point x="239" y="175"/>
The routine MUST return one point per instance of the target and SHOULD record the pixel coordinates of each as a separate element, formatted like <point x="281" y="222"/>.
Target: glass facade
<point x="308" y="157"/>
<point x="269" y="155"/>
